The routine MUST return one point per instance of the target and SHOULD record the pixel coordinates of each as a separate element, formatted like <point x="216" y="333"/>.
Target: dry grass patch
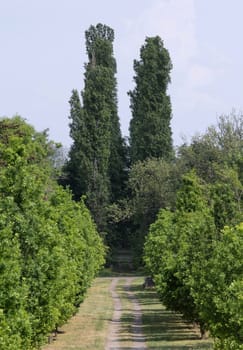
<point x="88" y="329"/>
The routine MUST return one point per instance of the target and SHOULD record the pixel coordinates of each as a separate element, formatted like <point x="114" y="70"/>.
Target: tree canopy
<point x="50" y="249"/>
<point x="179" y="211"/>
<point x="97" y="165"/>
<point x="150" y="130"/>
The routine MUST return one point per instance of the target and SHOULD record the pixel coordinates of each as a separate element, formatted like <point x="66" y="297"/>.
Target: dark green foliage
<point x="50" y="250"/>
<point x="201" y="155"/>
<point x="78" y="165"/>
<point x="150" y="131"/>
<point x="221" y="146"/>
<point x="152" y="183"/>
<point x="152" y="186"/>
<point x="99" y="48"/>
<point x="99" y="42"/>
<point x="97" y="165"/>
<point x="118" y="163"/>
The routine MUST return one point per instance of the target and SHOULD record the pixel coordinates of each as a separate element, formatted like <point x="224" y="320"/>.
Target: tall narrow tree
<point x="78" y="165"/>
<point x="150" y="131"/>
<point x="99" y="41"/>
<point x="98" y="145"/>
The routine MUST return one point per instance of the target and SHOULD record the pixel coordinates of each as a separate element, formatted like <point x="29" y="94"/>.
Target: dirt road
<point x="125" y="330"/>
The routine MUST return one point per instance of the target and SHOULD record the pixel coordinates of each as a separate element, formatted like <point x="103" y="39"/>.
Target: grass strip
<point x="88" y="329"/>
<point x="163" y="329"/>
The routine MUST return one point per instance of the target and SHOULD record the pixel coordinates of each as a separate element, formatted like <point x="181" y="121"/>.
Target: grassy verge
<point x="162" y="329"/>
<point x="165" y="330"/>
<point x="87" y="330"/>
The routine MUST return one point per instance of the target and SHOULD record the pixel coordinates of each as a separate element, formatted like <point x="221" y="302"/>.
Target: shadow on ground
<point x="163" y="329"/>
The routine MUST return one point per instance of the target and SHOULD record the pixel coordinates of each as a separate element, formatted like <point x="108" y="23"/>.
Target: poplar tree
<point x="150" y="130"/>
<point x="78" y="165"/>
<point x="96" y="166"/>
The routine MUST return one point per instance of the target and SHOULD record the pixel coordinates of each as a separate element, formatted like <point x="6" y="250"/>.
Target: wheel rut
<point x="113" y="335"/>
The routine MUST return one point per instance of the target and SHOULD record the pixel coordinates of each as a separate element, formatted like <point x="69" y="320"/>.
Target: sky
<point x="43" y="55"/>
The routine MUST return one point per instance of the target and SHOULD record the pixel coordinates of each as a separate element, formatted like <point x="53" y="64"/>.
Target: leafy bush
<point x="198" y="269"/>
<point x="50" y="249"/>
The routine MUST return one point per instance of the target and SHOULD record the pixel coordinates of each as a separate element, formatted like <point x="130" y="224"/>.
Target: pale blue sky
<point x="43" y="54"/>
